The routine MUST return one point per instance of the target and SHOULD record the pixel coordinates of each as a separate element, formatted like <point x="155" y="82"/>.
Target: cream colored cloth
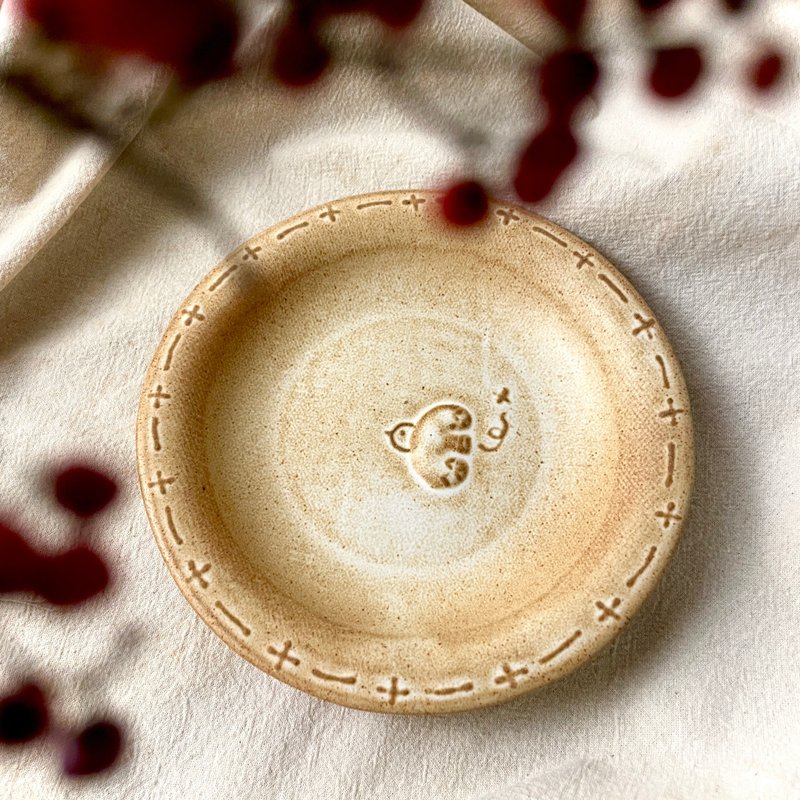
<point x="698" y="206"/>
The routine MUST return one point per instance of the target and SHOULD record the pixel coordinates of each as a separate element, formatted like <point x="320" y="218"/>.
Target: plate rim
<point x="588" y="647"/>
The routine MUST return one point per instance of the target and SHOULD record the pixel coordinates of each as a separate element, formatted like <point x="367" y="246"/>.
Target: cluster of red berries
<point x="565" y="79"/>
<point x="73" y="575"/>
<point x="198" y="39"/>
<point x="66" y="578"/>
<point x="301" y="56"/>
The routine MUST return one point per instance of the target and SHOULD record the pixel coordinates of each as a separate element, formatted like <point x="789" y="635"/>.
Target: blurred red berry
<point x="465" y="203"/>
<point x="299" y="57"/>
<point x="18" y="562"/>
<point x="94" y="749"/>
<point x="533" y="185"/>
<point x="395" y="13"/>
<point x="83" y="490"/>
<point x="23" y="715"/>
<point x="649" y="6"/>
<point x="71" y="577"/>
<point x="543" y="161"/>
<point x="675" y="70"/>
<point x="210" y="53"/>
<point x="565" y="79"/>
<point x="766" y="71"/>
<point x="197" y="38"/>
<point x="569" y="13"/>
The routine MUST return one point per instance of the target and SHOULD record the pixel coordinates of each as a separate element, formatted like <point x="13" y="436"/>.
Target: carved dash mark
<point x="171" y="352"/>
<point x="283" y="655"/>
<point x="638" y="574"/>
<point x="445" y="691"/>
<point x="669" y="516"/>
<point x="551" y="236"/>
<point x="507" y="215"/>
<point x="393" y="691"/>
<point x="233" y="618"/>
<point x="613" y="286"/>
<point x="284" y="233"/>
<point x="608" y="612"/>
<point x="222" y="278"/>
<point x="561" y="648"/>
<point x="670" y="464"/>
<point x="348" y="680"/>
<point x="196" y="573"/>
<point x="414" y="201"/>
<point x="510" y="675"/>
<point x="171" y="525"/>
<point x="372" y="203"/>
<point x="160" y="482"/>
<point x="664" y="376"/>
<point x="154" y="432"/>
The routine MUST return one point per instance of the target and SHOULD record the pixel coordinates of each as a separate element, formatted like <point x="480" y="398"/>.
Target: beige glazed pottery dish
<point x="410" y="468"/>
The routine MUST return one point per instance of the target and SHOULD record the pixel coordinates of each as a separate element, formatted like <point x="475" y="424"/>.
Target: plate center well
<point x="396" y="433"/>
<point x="385" y="428"/>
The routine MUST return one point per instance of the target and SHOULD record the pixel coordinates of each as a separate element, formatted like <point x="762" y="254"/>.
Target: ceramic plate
<point x="411" y="468"/>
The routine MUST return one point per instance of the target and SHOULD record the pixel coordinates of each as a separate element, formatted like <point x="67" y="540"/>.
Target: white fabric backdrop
<point x="699" y="207"/>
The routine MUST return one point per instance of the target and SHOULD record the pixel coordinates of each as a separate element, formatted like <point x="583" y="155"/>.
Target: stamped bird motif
<point x="438" y="445"/>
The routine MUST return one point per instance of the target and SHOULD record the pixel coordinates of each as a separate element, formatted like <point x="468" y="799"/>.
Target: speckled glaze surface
<point x="409" y="468"/>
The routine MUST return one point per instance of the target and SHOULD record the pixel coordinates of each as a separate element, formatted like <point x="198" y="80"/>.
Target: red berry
<point x="210" y="50"/>
<point x="736" y="6"/>
<point x="543" y="161"/>
<point x="71" y="577"/>
<point x="395" y="13"/>
<point x="569" y="13"/>
<point x="766" y="71"/>
<point x="300" y="57"/>
<point x="83" y="490"/>
<point x="197" y="38"/>
<point x="94" y="749"/>
<point x="23" y="715"/>
<point x="465" y="203"/>
<point x="54" y="17"/>
<point x="18" y="562"/>
<point x="566" y="78"/>
<point x="675" y="70"/>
